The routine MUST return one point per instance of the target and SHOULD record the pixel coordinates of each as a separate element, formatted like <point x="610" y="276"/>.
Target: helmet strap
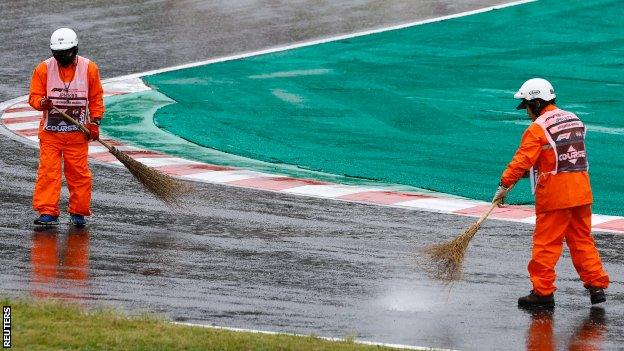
<point x="538" y="105"/>
<point x="535" y="106"/>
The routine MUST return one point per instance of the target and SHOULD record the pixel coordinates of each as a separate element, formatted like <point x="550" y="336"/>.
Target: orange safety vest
<point x="72" y="97"/>
<point x="558" y="158"/>
<point x="566" y="137"/>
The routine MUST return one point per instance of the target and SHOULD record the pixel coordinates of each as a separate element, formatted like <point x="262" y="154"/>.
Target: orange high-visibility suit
<point x="69" y="148"/>
<point x="562" y="202"/>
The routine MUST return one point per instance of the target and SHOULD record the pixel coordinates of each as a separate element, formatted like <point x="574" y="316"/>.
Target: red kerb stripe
<point x="27" y="132"/>
<point x="19" y="109"/>
<point x="508" y="212"/>
<point x="616" y="224"/>
<point x="21" y="119"/>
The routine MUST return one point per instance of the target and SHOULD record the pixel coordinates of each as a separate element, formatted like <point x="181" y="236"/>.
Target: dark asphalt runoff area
<point x="260" y="260"/>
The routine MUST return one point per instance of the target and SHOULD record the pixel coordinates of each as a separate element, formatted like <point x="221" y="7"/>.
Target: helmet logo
<point x="534" y="92"/>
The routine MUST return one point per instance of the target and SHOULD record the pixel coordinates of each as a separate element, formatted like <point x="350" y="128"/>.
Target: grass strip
<point x="59" y="325"/>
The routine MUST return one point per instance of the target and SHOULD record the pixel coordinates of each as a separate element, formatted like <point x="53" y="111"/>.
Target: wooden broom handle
<point x="485" y="215"/>
<point x="494" y="204"/>
<point x="82" y="128"/>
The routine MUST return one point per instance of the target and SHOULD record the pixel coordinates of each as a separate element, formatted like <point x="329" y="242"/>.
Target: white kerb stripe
<point x="442" y="205"/>
<point x="159" y="161"/>
<point x="362" y="342"/>
<point x="326" y="190"/>
<point x="226" y="176"/>
<point x="21" y="104"/>
<point x="133" y="85"/>
<point x="94" y="149"/>
<point x="23" y="125"/>
<point x="528" y="220"/>
<point x="33" y="113"/>
<point x="97" y="149"/>
<point x="599" y="219"/>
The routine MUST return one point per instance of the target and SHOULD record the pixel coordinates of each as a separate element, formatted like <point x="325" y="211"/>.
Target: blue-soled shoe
<point x="47" y="220"/>
<point x="77" y="220"/>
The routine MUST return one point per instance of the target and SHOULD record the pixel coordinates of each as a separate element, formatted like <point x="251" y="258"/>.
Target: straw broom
<point x="164" y="187"/>
<point x="445" y="260"/>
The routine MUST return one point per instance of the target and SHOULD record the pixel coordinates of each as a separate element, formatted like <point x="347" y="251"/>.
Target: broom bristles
<point x="163" y="186"/>
<point x="445" y="261"/>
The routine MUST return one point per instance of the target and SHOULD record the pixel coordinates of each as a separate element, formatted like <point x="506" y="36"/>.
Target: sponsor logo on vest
<point x="561" y="119"/>
<point x="61" y="127"/>
<point x="572" y="155"/>
<point x="564" y="136"/>
<point x="557" y="117"/>
<point x="68" y="95"/>
<point x="564" y="126"/>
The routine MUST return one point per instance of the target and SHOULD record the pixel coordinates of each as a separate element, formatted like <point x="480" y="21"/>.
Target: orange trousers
<point x="551" y="228"/>
<point x="66" y="151"/>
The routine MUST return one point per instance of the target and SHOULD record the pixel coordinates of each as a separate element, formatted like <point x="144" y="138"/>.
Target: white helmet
<point x="63" y="39"/>
<point x="536" y="88"/>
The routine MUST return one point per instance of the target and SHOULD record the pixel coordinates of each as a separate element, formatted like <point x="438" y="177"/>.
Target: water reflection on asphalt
<point x="60" y="265"/>
<point x="588" y="335"/>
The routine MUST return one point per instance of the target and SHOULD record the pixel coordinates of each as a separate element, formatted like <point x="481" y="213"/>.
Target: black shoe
<point x="533" y="301"/>
<point x="596" y="295"/>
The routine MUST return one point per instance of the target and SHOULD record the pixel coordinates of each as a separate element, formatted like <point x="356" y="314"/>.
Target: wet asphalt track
<point x="251" y="259"/>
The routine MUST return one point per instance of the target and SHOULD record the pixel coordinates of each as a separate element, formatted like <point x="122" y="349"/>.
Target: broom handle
<point x="494" y="204"/>
<point x="82" y="128"/>
<point x="485" y="215"/>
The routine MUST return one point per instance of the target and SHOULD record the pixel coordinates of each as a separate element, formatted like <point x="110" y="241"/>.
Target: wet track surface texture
<point x="244" y="258"/>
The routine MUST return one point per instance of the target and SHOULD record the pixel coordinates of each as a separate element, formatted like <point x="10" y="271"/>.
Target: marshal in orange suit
<point x="72" y="84"/>
<point x="553" y="152"/>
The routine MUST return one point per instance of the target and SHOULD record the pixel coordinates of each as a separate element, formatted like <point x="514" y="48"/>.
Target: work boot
<point x="534" y="301"/>
<point x="47" y="220"/>
<point x="596" y="295"/>
<point x="77" y="220"/>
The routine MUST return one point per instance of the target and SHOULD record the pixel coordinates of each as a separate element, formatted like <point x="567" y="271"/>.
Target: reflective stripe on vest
<point x="72" y="97"/>
<point x="566" y="135"/>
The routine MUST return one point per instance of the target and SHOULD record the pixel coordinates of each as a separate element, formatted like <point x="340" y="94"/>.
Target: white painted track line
<point x="361" y="342"/>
